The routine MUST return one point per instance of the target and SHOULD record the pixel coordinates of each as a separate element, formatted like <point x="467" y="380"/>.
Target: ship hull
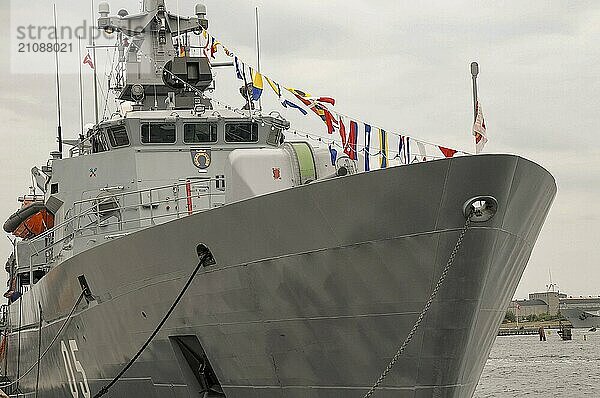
<point x="313" y="291"/>
<point x="580" y="318"/>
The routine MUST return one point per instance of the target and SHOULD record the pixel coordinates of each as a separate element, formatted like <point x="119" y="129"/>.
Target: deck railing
<point x="115" y="212"/>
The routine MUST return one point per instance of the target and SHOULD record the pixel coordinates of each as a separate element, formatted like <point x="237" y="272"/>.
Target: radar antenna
<point x="551" y="287"/>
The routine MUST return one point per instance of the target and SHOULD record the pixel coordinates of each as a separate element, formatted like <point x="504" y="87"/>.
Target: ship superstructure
<point x="171" y="156"/>
<point x="315" y="275"/>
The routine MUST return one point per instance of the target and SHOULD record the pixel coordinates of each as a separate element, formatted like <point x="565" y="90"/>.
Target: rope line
<point x="49" y="346"/>
<point x="315" y="137"/>
<point x="19" y="341"/>
<point x="425" y="309"/>
<point x="105" y="389"/>
<point x="37" y="379"/>
<point x="339" y="114"/>
<point x="233" y="109"/>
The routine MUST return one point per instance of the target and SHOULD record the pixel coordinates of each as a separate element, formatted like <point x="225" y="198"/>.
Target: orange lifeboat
<point x="30" y="221"/>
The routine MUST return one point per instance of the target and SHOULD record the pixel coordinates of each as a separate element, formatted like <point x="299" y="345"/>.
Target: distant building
<point x="537" y="304"/>
<point x="525" y="308"/>
<point x="552" y="299"/>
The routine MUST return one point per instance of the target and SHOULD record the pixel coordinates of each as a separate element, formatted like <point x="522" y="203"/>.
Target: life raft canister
<point x="30" y="221"/>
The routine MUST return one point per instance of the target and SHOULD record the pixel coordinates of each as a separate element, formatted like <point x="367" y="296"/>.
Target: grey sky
<point x="395" y="63"/>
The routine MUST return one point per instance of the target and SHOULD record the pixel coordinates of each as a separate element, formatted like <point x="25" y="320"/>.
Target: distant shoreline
<point x="535" y="325"/>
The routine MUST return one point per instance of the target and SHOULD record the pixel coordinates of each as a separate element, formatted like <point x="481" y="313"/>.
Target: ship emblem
<point x="201" y="158"/>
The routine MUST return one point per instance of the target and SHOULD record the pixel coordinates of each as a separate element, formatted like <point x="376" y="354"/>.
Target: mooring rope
<point x="62" y="327"/>
<point x="19" y="342"/>
<point x="425" y="309"/>
<point x="37" y="379"/>
<point x="105" y="389"/>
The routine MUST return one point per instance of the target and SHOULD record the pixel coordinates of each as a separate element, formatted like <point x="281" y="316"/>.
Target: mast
<point x="474" y="73"/>
<point x="58" y="106"/>
<point x="80" y="87"/>
<point x="258" y="53"/>
<point x="94" y="68"/>
<point x="152" y="53"/>
<point x="178" y="30"/>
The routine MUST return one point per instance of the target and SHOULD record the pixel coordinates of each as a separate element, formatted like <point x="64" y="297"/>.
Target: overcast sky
<point x="399" y="64"/>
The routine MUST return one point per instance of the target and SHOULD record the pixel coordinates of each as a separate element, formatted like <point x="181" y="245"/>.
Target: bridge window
<point x="199" y="133"/>
<point x="158" y="133"/>
<point x="118" y="136"/>
<point x="241" y="132"/>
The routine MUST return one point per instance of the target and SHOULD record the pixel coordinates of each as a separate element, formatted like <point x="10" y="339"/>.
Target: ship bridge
<point x="139" y="170"/>
<point x="166" y="131"/>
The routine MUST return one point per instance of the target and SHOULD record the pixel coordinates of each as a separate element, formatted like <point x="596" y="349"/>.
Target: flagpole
<point x="474" y="73"/>
<point x="80" y="87"/>
<point x="95" y="65"/>
<point x="56" y="59"/>
<point x="258" y="53"/>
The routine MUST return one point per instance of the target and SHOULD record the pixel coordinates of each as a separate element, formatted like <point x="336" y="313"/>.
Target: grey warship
<point x="582" y="312"/>
<point x="310" y="273"/>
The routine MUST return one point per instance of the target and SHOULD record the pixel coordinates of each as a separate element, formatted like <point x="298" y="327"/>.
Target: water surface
<point x="522" y="366"/>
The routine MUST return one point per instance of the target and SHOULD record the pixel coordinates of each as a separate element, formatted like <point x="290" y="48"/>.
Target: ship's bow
<point x="350" y="263"/>
<point x="463" y="323"/>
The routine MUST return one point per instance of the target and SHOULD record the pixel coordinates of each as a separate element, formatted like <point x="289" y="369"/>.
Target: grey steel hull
<point x="580" y="318"/>
<point x="313" y="291"/>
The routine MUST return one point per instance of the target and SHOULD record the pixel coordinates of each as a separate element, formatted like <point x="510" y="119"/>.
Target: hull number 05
<point x="73" y="366"/>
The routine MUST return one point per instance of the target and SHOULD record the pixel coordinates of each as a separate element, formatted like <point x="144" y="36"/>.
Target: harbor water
<point x="523" y="366"/>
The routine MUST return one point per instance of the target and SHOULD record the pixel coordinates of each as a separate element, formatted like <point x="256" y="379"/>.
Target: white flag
<point x="479" y="130"/>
